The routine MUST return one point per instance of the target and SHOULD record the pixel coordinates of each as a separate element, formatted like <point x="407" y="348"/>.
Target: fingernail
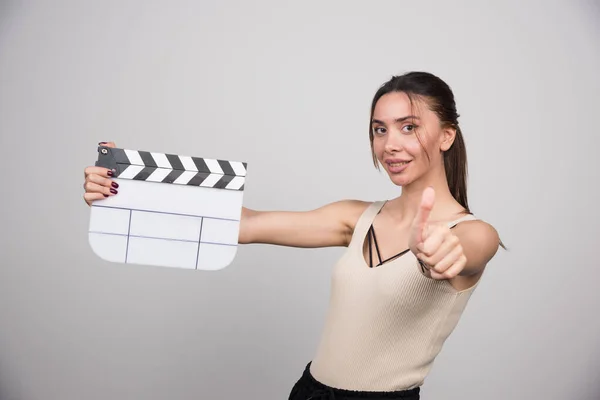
<point x="113" y="191"/>
<point x="102" y="143"/>
<point x="115" y="185"/>
<point x="105" y="195"/>
<point x="109" y="173"/>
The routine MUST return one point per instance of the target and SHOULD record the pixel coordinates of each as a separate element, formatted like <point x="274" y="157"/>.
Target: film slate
<point x="171" y="210"/>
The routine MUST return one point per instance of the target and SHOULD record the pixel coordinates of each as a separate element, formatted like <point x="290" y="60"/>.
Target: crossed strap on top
<point x="371" y="235"/>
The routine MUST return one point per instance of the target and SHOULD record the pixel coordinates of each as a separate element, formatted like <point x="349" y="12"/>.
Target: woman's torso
<point x="385" y="325"/>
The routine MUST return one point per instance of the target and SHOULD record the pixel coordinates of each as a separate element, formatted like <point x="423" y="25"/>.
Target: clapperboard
<point x="170" y="211"/>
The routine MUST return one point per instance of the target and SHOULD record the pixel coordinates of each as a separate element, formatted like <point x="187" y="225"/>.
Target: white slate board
<point x="170" y="211"/>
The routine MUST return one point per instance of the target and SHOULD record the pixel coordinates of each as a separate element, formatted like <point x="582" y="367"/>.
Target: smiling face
<point x="408" y="140"/>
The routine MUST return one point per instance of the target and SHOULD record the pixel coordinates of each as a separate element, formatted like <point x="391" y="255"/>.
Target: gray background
<point x="287" y="87"/>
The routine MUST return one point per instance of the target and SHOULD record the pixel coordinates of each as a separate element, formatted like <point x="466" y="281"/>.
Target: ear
<point x="448" y="136"/>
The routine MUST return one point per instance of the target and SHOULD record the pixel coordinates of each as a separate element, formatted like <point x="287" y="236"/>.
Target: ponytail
<point x="455" y="164"/>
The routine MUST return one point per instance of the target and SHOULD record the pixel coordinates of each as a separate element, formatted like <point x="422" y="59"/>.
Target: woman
<point x="411" y="262"/>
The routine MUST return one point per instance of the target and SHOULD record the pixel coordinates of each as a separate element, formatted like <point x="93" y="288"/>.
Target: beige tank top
<point x="385" y="325"/>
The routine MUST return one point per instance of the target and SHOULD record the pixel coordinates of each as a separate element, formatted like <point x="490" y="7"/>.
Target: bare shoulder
<point x="479" y="230"/>
<point x="347" y="211"/>
<point x="479" y="239"/>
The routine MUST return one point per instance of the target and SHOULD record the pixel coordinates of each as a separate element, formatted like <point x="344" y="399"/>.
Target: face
<point x="397" y="128"/>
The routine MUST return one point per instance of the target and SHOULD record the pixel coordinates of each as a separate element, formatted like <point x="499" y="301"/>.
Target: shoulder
<point x="348" y="210"/>
<point x="473" y="226"/>
<point x="347" y="213"/>
<point x="479" y="238"/>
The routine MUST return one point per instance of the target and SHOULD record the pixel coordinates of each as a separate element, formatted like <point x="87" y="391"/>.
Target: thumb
<point x="422" y="217"/>
<point x="108" y="144"/>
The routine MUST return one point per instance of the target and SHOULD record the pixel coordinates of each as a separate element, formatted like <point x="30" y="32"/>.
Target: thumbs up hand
<point x="434" y="244"/>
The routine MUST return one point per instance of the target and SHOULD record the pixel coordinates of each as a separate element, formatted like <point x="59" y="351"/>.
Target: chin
<point x="399" y="179"/>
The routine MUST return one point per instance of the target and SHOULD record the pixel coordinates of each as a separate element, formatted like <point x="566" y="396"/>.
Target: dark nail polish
<point x="115" y="185"/>
<point x="113" y="191"/>
<point x="109" y="173"/>
<point x="105" y="195"/>
<point x="102" y="143"/>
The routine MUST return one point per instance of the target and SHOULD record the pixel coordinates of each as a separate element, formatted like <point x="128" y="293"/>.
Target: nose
<point x="393" y="142"/>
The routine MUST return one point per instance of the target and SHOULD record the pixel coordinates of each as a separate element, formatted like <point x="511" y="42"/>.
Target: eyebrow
<point x="376" y="121"/>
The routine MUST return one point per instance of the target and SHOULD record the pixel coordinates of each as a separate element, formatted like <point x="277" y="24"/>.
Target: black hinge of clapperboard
<point x="112" y="158"/>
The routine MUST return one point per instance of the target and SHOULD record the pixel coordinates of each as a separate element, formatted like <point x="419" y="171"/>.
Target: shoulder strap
<point x="364" y="222"/>
<point x="468" y="217"/>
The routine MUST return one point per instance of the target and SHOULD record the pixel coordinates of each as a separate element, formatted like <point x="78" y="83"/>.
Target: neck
<point x="407" y="204"/>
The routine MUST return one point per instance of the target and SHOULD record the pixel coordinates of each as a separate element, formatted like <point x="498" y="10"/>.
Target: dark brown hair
<point x="440" y="100"/>
<point x="439" y="97"/>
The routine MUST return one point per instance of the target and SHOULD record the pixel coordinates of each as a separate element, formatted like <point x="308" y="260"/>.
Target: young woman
<point x="411" y="262"/>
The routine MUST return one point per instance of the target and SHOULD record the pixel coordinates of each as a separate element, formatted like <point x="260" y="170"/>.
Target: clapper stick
<point x="171" y="210"/>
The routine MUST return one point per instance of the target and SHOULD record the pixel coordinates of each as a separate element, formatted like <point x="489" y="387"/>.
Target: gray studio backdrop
<point x="287" y="88"/>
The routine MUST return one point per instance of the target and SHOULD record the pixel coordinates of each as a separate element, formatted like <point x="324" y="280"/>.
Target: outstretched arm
<point x="327" y="226"/>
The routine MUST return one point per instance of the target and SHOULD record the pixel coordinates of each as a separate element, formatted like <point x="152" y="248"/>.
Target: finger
<point x="422" y="217"/>
<point x="448" y="243"/>
<point x="102" y="181"/>
<point x="108" y="144"/>
<point x="436" y="236"/>
<point x="451" y="272"/>
<point x="91" y="187"/>
<point x="90" y="197"/>
<point x="437" y="276"/>
<point x="448" y="260"/>
<point x="92" y="170"/>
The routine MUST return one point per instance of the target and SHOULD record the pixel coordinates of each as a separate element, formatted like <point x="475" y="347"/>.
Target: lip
<point x="396" y="170"/>
<point x="395" y="160"/>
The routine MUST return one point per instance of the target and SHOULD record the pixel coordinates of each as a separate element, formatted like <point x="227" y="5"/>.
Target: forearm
<point x="244" y="230"/>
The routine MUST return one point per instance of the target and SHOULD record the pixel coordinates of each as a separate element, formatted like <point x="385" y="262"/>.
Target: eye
<point x="409" y="128"/>
<point x="379" y="130"/>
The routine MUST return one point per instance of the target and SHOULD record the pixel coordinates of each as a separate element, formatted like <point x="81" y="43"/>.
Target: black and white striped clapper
<point x="171" y="168"/>
<point x="169" y="210"/>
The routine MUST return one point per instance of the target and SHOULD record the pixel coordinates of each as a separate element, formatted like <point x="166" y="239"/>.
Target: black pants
<point x="308" y="388"/>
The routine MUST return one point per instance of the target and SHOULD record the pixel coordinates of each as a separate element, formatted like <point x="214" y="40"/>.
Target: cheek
<point x="414" y="148"/>
<point x="421" y="149"/>
<point x="378" y="147"/>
